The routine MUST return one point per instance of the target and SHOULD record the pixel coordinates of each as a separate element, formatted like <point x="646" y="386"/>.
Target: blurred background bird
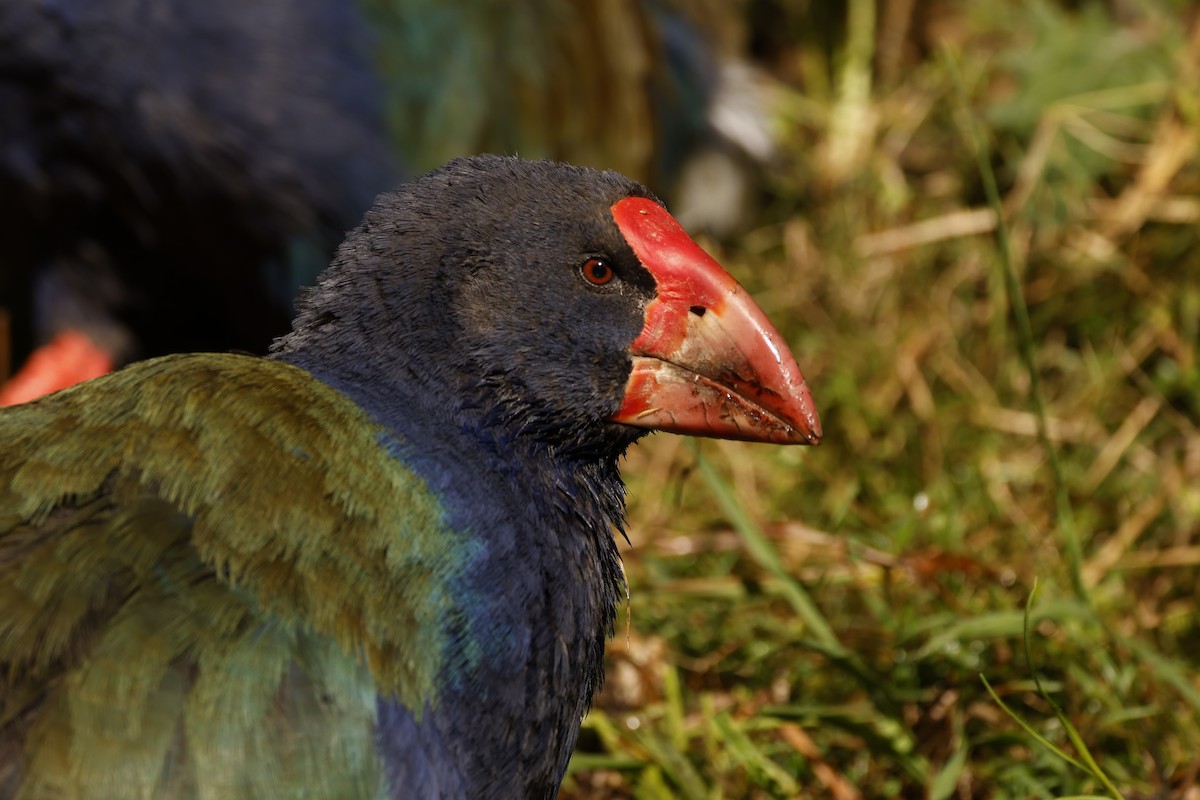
<point x="171" y="173"/>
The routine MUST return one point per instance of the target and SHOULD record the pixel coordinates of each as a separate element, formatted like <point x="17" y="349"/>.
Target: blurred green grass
<point x="814" y="623"/>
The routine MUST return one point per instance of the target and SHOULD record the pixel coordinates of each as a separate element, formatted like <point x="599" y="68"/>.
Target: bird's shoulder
<point x="253" y="472"/>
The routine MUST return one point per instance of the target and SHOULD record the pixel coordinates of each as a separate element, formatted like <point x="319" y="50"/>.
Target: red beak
<point x="708" y="361"/>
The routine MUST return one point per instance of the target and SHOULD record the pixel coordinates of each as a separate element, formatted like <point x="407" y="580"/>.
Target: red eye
<point x="597" y="272"/>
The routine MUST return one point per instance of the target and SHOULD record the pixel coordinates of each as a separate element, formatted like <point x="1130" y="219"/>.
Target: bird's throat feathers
<point x="537" y="599"/>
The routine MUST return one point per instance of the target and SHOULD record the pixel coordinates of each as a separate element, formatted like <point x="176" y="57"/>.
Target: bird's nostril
<point x="698" y="310"/>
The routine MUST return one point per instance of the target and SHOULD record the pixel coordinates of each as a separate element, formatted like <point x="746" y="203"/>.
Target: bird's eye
<point x="597" y="272"/>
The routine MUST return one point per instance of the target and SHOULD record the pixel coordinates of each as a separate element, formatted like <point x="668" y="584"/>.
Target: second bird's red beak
<point x="708" y="361"/>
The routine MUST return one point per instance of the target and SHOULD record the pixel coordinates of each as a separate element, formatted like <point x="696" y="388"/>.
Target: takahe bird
<point x="380" y="562"/>
<point x="170" y="171"/>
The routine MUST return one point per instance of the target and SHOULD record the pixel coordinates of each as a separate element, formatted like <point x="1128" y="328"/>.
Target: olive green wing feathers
<point x="209" y="565"/>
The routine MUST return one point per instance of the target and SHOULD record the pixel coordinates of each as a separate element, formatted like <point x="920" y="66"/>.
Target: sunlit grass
<point x="814" y="622"/>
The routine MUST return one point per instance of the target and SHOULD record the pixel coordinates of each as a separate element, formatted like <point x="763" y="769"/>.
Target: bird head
<point x="557" y="302"/>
